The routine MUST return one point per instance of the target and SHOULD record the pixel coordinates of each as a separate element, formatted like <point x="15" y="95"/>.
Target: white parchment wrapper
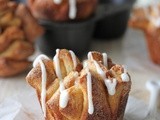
<point x="27" y="107"/>
<point x="21" y="107"/>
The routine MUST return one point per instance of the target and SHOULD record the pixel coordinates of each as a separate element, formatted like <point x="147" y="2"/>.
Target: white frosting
<point x="155" y="21"/>
<point x="72" y="9"/>
<point x="99" y="70"/>
<point x="74" y="59"/>
<point x="64" y="97"/>
<point x="85" y="64"/>
<point x="89" y="91"/>
<point x="111" y="86"/>
<point x="39" y="58"/>
<point x="105" y="59"/>
<point x="57" y="1"/>
<point x="61" y="86"/>
<point x="44" y="79"/>
<point x="57" y="65"/>
<point x="90" y="57"/>
<point x="125" y="77"/>
<point x="154" y="88"/>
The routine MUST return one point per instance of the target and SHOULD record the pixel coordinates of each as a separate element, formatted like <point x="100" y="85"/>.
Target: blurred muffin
<point x="62" y="10"/>
<point x="148" y="20"/>
<point x="18" y="31"/>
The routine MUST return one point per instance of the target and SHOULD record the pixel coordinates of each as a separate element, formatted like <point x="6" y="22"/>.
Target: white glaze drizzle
<point x="85" y="64"/>
<point x="72" y="7"/>
<point x="90" y="56"/>
<point x="124" y="75"/>
<point x="89" y="92"/>
<point x="99" y="70"/>
<point x="57" y="65"/>
<point x="64" y="97"/>
<point x="44" y="79"/>
<point x="105" y="59"/>
<point x="111" y="86"/>
<point x="57" y="1"/>
<point x="74" y="59"/>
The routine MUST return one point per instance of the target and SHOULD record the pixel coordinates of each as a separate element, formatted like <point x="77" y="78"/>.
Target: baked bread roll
<point x="62" y="10"/>
<point x="147" y="19"/>
<point x="69" y="90"/>
<point x="18" y="31"/>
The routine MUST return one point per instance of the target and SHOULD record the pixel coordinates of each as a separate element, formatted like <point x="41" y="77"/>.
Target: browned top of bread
<point x="49" y="10"/>
<point x="146" y="18"/>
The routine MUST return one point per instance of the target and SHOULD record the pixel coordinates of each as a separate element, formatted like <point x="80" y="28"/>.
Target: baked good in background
<point x="147" y="19"/>
<point x="62" y="10"/>
<point x="98" y="89"/>
<point x="18" y="32"/>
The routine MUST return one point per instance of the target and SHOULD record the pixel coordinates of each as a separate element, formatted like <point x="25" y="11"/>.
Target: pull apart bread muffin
<point x="148" y="20"/>
<point x="62" y="10"/>
<point x="18" y="31"/>
<point x="69" y="90"/>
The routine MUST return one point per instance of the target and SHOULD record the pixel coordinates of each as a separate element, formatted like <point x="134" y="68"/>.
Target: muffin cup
<point x="74" y="35"/>
<point x="115" y="24"/>
<point x="153" y="43"/>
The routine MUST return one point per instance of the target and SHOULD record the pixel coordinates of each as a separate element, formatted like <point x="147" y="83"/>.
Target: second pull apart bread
<point x="98" y="89"/>
<point x="18" y="31"/>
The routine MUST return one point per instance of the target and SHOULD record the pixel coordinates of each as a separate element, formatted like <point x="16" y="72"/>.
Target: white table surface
<point x="130" y="50"/>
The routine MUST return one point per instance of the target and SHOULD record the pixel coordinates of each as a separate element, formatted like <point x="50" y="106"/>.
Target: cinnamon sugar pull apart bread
<point x="62" y="10"/>
<point x="98" y="89"/>
<point x="18" y="31"/>
<point x="147" y="19"/>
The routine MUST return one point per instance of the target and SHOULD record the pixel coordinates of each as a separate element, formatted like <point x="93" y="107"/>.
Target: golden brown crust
<point x="10" y="35"/>
<point x="49" y="10"/>
<point x="75" y="81"/>
<point x="18" y="50"/>
<point x="31" y="28"/>
<point x="9" y="67"/>
<point x="153" y="44"/>
<point x="138" y="19"/>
